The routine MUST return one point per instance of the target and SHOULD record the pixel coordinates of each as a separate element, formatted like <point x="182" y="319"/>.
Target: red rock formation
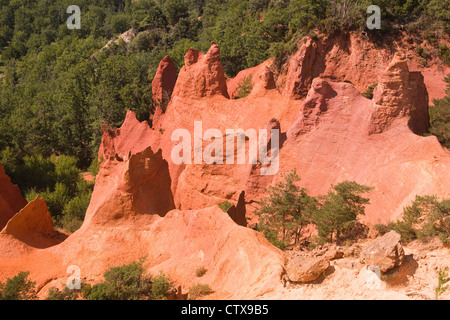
<point x="327" y="142"/>
<point x="133" y="179"/>
<point x="157" y="118"/>
<point x="11" y="200"/>
<point x="353" y="58"/>
<point x="399" y="94"/>
<point x="164" y="81"/>
<point x="132" y="137"/>
<point x="338" y="147"/>
<point x="300" y="71"/>
<point x="202" y="75"/>
<point x="32" y="225"/>
<point x="237" y="212"/>
<point x="315" y="104"/>
<point x="262" y="80"/>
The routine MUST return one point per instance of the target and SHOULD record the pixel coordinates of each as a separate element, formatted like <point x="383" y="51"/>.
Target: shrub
<point x="201" y="272"/>
<point x="244" y="87"/>
<point x="18" y="288"/>
<point x="271" y="235"/>
<point x="86" y="291"/>
<point x="443" y="279"/>
<point x="425" y="217"/>
<point x="225" y="206"/>
<point x="95" y="166"/>
<point x="405" y="230"/>
<point x="422" y="52"/>
<point x="126" y="282"/>
<point x="66" y="172"/>
<point x="64" y="294"/>
<point x="440" y="117"/>
<point x="369" y="92"/>
<point x="57" y="199"/>
<point x="444" y="54"/>
<point x="35" y="172"/>
<point x="129" y="282"/>
<point x="199" y="290"/>
<point x="382" y="228"/>
<point x="99" y="292"/>
<point x="144" y="41"/>
<point x="74" y="212"/>
<point x="161" y="286"/>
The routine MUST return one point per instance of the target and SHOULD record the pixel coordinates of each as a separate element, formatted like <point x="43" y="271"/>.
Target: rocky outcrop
<point x="202" y="75"/>
<point x="119" y="143"/>
<point x="315" y="104"/>
<point x="305" y="269"/>
<point x="164" y="82"/>
<point x="11" y="200"/>
<point x="300" y="71"/>
<point x="237" y="212"/>
<point x="132" y="178"/>
<point x="400" y="94"/>
<point x="32" y="225"/>
<point x="330" y="142"/>
<point x="328" y="251"/>
<point x="385" y="252"/>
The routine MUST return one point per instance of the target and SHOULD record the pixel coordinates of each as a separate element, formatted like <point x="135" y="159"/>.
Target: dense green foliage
<point x="161" y="287"/>
<point x="440" y="117"/>
<point x="287" y="209"/>
<point x="427" y="216"/>
<point x="18" y="288"/>
<point x="58" y="180"/>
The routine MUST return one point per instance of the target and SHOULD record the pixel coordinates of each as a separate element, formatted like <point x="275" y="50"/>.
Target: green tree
<point x="440" y="117"/>
<point x="127" y="282"/>
<point x="18" y="288"/>
<point x="339" y="208"/>
<point x="175" y="10"/>
<point x="244" y="87"/>
<point x="426" y="216"/>
<point x="161" y="287"/>
<point x="285" y="211"/>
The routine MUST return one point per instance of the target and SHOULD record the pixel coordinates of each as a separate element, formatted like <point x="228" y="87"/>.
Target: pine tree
<point x="339" y="208"/>
<point x="285" y="211"/>
<point x="440" y="117"/>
